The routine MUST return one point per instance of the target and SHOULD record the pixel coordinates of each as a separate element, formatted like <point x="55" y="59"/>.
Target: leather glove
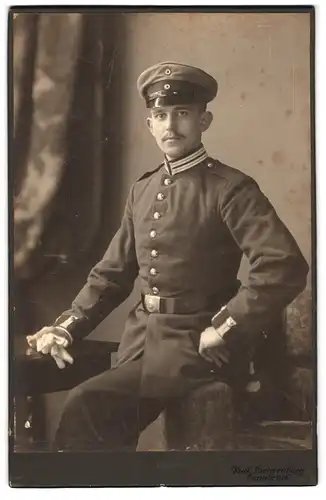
<point x="53" y="341"/>
<point x="212" y="347"/>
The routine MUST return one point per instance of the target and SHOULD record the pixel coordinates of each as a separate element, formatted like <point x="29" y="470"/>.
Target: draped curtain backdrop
<point x="62" y="68"/>
<point x="45" y="53"/>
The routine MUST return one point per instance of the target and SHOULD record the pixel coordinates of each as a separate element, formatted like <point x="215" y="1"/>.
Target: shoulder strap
<point x="149" y="173"/>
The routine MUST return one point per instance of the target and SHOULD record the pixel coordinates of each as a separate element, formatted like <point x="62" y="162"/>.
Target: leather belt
<point x="169" y="305"/>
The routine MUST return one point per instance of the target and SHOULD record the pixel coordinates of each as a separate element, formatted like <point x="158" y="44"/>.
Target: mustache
<point x="172" y="136"/>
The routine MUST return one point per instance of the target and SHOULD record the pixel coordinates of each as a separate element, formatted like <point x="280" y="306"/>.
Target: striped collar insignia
<point x="189" y="161"/>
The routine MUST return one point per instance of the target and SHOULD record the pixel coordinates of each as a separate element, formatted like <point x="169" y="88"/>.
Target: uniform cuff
<point x="67" y="323"/>
<point x="66" y="333"/>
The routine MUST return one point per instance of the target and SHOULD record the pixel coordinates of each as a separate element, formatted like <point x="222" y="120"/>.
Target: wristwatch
<point x="223" y="322"/>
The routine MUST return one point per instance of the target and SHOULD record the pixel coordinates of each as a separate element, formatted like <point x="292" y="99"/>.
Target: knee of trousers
<point x="76" y="399"/>
<point x="85" y="396"/>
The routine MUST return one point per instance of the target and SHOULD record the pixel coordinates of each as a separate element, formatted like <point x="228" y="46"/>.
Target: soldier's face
<point x="178" y="129"/>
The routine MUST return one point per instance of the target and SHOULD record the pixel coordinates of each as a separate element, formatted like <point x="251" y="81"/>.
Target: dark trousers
<point x="106" y="413"/>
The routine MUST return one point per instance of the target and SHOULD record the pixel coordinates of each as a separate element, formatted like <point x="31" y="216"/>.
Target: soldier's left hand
<point x="212" y="347"/>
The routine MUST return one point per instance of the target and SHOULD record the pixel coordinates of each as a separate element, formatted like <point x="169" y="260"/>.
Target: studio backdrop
<point x="79" y="140"/>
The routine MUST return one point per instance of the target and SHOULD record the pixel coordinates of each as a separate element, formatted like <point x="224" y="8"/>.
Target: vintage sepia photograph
<point x="162" y="246"/>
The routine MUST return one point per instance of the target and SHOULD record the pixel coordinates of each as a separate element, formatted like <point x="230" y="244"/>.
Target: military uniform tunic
<point x="184" y="234"/>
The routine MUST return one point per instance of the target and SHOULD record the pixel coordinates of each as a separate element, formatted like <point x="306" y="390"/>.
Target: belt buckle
<point x="152" y="303"/>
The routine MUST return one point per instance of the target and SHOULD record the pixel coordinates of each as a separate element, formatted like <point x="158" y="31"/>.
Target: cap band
<point x="170" y="100"/>
<point x="168" y="92"/>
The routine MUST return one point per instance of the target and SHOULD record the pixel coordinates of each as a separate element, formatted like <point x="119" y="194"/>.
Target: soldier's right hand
<point x="51" y="340"/>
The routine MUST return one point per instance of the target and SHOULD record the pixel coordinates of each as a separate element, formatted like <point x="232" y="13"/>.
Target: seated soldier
<point x="185" y="227"/>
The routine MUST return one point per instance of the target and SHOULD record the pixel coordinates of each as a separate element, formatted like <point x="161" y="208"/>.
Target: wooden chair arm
<point x="34" y="373"/>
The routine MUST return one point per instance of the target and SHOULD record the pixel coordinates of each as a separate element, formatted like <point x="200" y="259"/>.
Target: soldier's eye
<point x="160" y="116"/>
<point x="183" y="112"/>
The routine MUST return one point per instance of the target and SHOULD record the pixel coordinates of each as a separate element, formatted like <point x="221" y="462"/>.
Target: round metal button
<point x="167" y="86"/>
<point x="167" y="182"/>
<point x="168" y="71"/>
<point x="153" y="233"/>
<point x="160" y="196"/>
<point x="157" y="215"/>
<point x="154" y="253"/>
<point x="153" y="271"/>
<point x="155" y="290"/>
<point x="210" y="164"/>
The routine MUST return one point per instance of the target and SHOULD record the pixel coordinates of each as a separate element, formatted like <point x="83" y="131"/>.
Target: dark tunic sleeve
<point x="109" y="282"/>
<point x="277" y="269"/>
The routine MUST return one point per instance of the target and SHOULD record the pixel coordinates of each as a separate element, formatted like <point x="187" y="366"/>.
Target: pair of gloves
<point x="52" y="340"/>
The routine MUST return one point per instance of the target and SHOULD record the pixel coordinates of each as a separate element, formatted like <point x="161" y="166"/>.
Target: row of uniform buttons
<point x="153" y="233"/>
<point x="167" y="181"/>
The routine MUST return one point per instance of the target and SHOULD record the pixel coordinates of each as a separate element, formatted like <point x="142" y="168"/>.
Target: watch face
<point x="230" y="322"/>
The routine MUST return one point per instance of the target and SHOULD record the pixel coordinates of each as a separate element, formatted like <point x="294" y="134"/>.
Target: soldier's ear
<point x="205" y="120"/>
<point x="149" y="122"/>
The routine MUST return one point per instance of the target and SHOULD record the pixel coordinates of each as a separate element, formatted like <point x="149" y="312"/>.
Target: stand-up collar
<point x="188" y="161"/>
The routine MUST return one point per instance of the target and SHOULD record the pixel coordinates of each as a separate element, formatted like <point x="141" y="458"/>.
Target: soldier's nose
<point x="170" y="123"/>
